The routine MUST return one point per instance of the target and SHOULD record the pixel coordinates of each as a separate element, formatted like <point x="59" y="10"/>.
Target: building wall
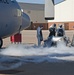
<point x="64" y="11"/>
<point x="36" y="16"/>
<point x="64" y="14"/>
<point x="34" y="26"/>
<point x="66" y="25"/>
<point x="35" y="12"/>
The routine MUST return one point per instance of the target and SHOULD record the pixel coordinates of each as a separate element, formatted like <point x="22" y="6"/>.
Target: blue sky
<point x="37" y="1"/>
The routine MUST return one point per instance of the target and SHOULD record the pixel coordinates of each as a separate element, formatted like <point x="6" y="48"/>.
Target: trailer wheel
<point x="1" y="42"/>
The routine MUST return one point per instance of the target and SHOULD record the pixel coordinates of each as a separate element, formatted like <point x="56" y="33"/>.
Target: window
<point x="59" y="1"/>
<point x="19" y="13"/>
<point x="13" y="1"/>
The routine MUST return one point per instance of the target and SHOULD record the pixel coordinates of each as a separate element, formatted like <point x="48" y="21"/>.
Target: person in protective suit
<point x="52" y="30"/>
<point x="60" y="31"/>
<point x="49" y="42"/>
<point x="39" y="34"/>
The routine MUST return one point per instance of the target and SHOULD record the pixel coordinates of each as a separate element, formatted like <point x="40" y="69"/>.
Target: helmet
<point x="60" y="26"/>
<point x="54" y="25"/>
